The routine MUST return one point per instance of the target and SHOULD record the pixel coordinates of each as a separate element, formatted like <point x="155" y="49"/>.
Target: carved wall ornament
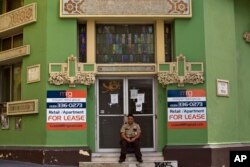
<point x="175" y="76"/>
<point x="88" y="8"/>
<point x="18" y="17"/>
<point x="70" y="75"/>
<point x="246" y="36"/>
<point x="111" y="86"/>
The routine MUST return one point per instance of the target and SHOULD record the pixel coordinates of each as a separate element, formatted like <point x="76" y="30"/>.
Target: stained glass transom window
<point x="82" y="43"/>
<point x="168" y="42"/>
<point x="125" y="43"/>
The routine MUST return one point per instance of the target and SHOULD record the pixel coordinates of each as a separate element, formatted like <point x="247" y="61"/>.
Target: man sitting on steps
<point x="130" y="137"/>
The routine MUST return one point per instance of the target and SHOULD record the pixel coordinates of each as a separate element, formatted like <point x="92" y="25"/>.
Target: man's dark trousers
<point x="136" y="147"/>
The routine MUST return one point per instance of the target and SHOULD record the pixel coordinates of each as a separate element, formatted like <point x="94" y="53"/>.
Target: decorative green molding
<point x="71" y="73"/>
<point x="246" y="36"/>
<point x="181" y="72"/>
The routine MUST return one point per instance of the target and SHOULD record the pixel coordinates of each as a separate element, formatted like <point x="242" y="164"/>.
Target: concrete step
<point x="114" y="157"/>
<point x="150" y="159"/>
<point x="129" y="164"/>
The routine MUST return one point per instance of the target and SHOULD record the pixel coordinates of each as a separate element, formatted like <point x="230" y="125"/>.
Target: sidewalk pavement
<point x="9" y="163"/>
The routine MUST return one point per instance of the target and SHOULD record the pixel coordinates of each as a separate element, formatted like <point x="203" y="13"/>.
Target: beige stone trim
<point x="190" y="76"/>
<point x="15" y="53"/>
<point x="19" y="17"/>
<point x="126" y="69"/>
<point x="33" y="73"/>
<point x="128" y="8"/>
<point x="160" y="48"/>
<point x="62" y="76"/>
<point x="22" y="107"/>
<point x="91" y="41"/>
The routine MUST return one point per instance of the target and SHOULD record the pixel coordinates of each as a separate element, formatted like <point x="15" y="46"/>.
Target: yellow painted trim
<point x="126" y="73"/>
<point x="160" y="48"/>
<point x="91" y="41"/>
<point x="126" y="16"/>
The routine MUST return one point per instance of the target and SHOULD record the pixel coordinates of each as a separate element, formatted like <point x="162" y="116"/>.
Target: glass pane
<point x="13" y="4"/>
<point x="109" y="128"/>
<point x="168" y="41"/>
<point x="146" y="124"/>
<point x="1" y="6"/>
<point x="6" y="44"/>
<point x="5" y="86"/>
<point x="82" y="43"/>
<point x="110" y="96"/>
<point x="16" y="89"/>
<point x="17" y="40"/>
<point x="125" y="43"/>
<point x="140" y="96"/>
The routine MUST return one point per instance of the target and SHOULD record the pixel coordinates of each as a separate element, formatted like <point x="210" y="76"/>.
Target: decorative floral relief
<point x="172" y="77"/>
<point x="63" y="77"/>
<point x="246" y="36"/>
<point x="166" y="78"/>
<point x="18" y="17"/>
<point x="81" y="78"/>
<point x="74" y="6"/>
<point x="78" y="7"/>
<point x="178" y="6"/>
<point x="57" y="78"/>
<point x="194" y="78"/>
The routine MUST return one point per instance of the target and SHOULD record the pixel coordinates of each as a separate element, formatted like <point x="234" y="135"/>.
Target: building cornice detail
<point x="174" y="75"/>
<point x="123" y="8"/>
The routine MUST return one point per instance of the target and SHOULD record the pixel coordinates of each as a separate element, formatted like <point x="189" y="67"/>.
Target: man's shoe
<point x="140" y="160"/>
<point x="121" y="160"/>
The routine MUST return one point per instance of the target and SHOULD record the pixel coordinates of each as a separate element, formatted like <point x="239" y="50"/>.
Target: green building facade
<point x="116" y="60"/>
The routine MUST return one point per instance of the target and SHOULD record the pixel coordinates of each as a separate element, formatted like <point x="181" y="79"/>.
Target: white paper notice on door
<point x="138" y="107"/>
<point x="114" y="98"/>
<point x="140" y="98"/>
<point x="133" y="93"/>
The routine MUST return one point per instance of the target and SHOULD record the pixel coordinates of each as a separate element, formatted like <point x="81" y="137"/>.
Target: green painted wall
<point x="52" y="40"/>
<point x="189" y="40"/>
<point x="161" y="117"/>
<point x="91" y="117"/>
<point x="213" y="36"/>
<point x="221" y="63"/>
<point x="33" y="131"/>
<point x="61" y="42"/>
<point x="242" y="15"/>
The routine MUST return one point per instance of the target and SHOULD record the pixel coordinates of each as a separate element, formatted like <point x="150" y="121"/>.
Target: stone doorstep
<point x="125" y="164"/>
<point x="114" y="157"/>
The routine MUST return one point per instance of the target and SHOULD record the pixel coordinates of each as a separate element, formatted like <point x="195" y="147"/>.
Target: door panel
<point x="146" y="124"/>
<point x="115" y="101"/>
<point x="143" y="86"/>
<point x="110" y="134"/>
<point x="142" y="109"/>
<point x="107" y="87"/>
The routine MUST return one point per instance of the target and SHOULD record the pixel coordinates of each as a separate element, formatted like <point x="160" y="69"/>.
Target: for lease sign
<point x="66" y="110"/>
<point x="187" y="109"/>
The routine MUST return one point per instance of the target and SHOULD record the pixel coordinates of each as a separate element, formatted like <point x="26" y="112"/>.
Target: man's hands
<point x="130" y="140"/>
